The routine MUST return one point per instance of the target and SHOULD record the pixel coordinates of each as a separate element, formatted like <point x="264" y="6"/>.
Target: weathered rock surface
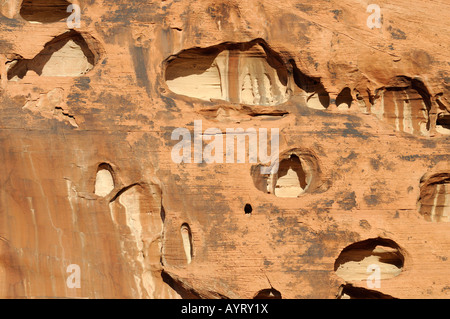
<point x="87" y="175"/>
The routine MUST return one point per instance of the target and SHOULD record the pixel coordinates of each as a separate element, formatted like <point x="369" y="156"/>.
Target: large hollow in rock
<point x="354" y="260"/>
<point x="248" y="73"/>
<point x="69" y="54"/>
<point x="44" y="11"/>
<point x="405" y="105"/>
<point x="104" y="180"/>
<point x="292" y="179"/>
<point x="298" y="172"/>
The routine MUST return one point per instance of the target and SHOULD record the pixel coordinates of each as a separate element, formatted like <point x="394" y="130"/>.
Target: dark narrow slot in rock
<point x="270" y="293"/>
<point x="44" y="11"/>
<point x="269" y="114"/>
<point x="354" y="260"/>
<point x="434" y="201"/>
<point x="370" y="96"/>
<point x="248" y="209"/>
<point x="163" y="214"/>
<point x="69" y="54"/>
<point x="247" y="72"/>
<point x="422" y="89"/>
<point x="186" y="236"/>
<point x="344" y="99"/>
<point x="123" y="190"/>
<point x="71" y="118"/>
<point x="350" y="292"/>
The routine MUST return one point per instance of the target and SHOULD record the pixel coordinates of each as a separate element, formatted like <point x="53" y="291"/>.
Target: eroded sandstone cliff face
<point x="88" y="177"/>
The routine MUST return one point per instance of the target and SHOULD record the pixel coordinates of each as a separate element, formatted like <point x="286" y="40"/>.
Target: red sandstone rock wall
<point x="88" y="178"/>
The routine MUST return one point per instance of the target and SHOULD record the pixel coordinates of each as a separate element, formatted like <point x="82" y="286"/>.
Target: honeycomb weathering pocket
<point x="69" y="54"/>
<point x="186" y="236"/>
<point x="355" y="259"/>
<point x="298" y="173"/>
<point x="44" y="11"/>
<point x="248" y="73"/>
<point x="434" y="201"/>
<point x="104" y="180"/>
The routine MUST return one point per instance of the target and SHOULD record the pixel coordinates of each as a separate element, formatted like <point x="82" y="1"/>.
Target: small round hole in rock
<point x="248" y="209"/>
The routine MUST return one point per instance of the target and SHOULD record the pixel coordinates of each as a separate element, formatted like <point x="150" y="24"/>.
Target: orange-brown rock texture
<point x="93" y="116"/>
